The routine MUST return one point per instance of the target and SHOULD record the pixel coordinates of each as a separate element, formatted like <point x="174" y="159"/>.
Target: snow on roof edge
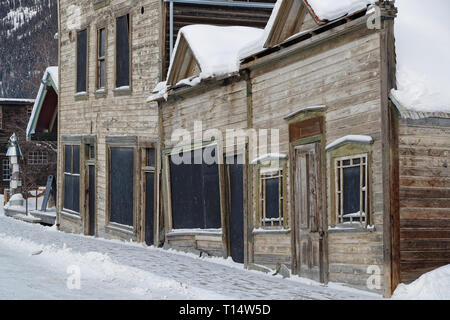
<point x="349" y="138"/>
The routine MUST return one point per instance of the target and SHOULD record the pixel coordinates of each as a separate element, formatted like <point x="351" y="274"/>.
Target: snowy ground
<point x="38" y="262"/>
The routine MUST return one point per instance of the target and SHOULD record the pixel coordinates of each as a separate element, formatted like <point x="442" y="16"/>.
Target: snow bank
<point x="416" y="93"/>
<point x="332" y="9"/>
<point x="434" y="285"/>
<point x="100" y="268"/>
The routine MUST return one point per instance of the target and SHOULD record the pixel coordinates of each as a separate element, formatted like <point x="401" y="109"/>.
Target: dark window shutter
<point x="121" y="185"/>
<point x="81" y="60"/>
<point x="123" y="51"/>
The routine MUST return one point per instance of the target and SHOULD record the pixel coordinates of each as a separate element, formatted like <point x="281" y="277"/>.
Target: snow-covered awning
<point x="349" y="139"/>
<point x="45" y="106"/>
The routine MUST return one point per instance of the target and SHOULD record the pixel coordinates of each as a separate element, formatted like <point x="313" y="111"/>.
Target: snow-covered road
<point x="38" y="262"/>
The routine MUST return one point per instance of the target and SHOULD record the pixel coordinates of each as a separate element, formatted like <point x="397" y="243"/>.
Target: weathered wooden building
<point x="334" y="195"/>
<point x="39" y="161"/>
<point x="345" y="197"/>
<point x="112" y="53"/>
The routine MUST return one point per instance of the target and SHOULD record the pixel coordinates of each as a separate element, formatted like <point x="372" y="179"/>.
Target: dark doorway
<point x="91" y="200"/>
<point x="236" y="176"/>
<point x="149" y="207"/>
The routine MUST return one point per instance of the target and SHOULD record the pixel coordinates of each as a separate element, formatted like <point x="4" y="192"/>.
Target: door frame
<point x="156" y="195"/>
<point x="86" y="162"/>
<point x="322" y="224"/>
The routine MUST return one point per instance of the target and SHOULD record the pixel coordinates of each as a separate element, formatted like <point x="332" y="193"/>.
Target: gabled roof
<point x="203" y="52"/>
<point x="292" y="17"/>
<point x="45" y="100"/>
<point x="208" y="51"/>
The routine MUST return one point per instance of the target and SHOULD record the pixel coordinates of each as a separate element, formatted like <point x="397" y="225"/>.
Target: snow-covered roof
<point x="50" y="78"/>
<point x="14" y="100"/>
<point x="423" y="83"/>
<point x="214" y="50"/>
<point x="416" y="99"/>
<point x="328" y="10"/>
<point x="321" y="10"/>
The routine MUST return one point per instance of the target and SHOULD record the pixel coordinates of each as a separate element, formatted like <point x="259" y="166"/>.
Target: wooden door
<point x="307" y="208"/>
<point x="236" y="189"/>
<point x="91" y="199"/>
<point x="149" y="207"/>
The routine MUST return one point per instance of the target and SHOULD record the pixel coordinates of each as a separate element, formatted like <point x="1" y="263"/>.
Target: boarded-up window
<point x="101" y="70"/>
<point x="195" y="195"/>
<point x="123" y="51"/>
<point x="351" y="189"/>
<point x="82" y="61"/>
<point x="271" y="198"/>
<point x="72" y="177"/>
<point x="121" y="185"/>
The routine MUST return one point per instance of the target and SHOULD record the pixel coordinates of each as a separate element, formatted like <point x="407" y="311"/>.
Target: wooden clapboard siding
<point x="424" y="156"/>
<point x="211" y="244"/>
<point x="344" y="75"/>
<point x="220" y="107"/>
<point x="109" y="113"/>
<point x="271" y="249"/>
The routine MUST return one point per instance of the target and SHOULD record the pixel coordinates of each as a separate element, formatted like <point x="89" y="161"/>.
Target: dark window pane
<point x="123" y="51"/>
<point x="272" y="198"/>
<point x="357" y="161"/>
<point x="91" y="151"/>
<point x="101" y="74"/>
<point x="101" y="45"/>
<point x="151" y="160"/>
<point x="351" y="190"/>
<point x="76" y="160"/>
<point x="76" y="194"/>
<point x="68" y="192"/>
<point x="121" y="185"/>
<point x="81" y="60"/>
<point x="67" y="158"/>
<point x="346" y="162"/>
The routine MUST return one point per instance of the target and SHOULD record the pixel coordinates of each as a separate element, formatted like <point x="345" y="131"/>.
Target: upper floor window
<point x="81" y="84"/>
<point x="101" y="52"/>
<point x="123" y="51"/>
<point x="37" y="157"/>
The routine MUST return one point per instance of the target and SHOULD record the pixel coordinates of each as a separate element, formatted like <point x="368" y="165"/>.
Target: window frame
<point x="82" y="93"/>
<point x="3" y="169"/>
<point x="100" y="59"/>
<point x="339" y="188"/>
<point x="37" y="158"/>
<point x="119" y="89"/>
<point x="64" y="209"/>
<point x="263" y="168"/>
<point x="345" y="150"/>
<point x="123" y="142"/>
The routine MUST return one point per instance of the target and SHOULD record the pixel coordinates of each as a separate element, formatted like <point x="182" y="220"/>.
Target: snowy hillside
<point x="27" y="45"/>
